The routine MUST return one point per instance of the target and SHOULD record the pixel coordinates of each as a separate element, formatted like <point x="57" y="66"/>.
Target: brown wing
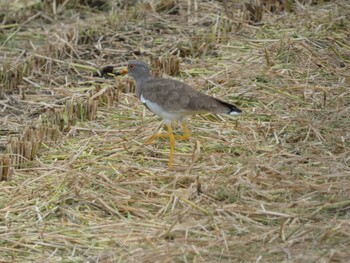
<point x="174" y="96"/>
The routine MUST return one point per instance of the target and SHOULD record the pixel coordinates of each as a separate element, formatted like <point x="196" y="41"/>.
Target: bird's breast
<point x="167" y="116"/>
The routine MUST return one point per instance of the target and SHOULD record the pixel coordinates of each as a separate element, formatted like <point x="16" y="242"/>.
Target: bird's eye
<point x="131" y="66"/>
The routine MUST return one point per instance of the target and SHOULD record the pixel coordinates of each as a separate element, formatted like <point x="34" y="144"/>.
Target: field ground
<point x="79" y="185"/>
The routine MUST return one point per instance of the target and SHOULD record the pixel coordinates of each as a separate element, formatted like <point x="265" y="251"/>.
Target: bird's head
<point x="137" y="69"/>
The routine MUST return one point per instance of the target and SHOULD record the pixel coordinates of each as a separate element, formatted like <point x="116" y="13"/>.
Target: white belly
<point x="168" y="117"/>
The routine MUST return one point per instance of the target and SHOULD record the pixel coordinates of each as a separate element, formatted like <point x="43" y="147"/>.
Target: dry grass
<point x="79" y="185"/>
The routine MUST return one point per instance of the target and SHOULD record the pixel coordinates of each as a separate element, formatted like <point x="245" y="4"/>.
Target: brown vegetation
<point x="77" y="184"/>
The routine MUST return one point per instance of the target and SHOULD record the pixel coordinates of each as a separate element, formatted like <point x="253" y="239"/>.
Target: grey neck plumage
<point x="139" y="82"/>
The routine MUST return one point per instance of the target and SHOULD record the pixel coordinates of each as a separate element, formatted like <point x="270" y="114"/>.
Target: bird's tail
<point x="231" y="109"/>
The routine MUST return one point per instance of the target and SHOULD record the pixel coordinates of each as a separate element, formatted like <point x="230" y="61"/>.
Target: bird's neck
<point x="139" y="83"/>
<point x="143" y="78"/>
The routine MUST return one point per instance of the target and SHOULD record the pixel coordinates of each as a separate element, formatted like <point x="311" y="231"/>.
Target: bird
<point x="172" y="100"/>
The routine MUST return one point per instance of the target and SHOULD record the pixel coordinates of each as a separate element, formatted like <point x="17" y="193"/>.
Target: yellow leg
<point x="172" y="138"/>
<point x="183" y="137"/>
<point x="172" y="144"/>
<point x="156" y="136"/>
<point x="186" y="135"/>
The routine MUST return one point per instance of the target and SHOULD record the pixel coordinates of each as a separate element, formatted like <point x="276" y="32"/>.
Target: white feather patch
<point x="168" y="117"/>
<point x="143" y="100"/>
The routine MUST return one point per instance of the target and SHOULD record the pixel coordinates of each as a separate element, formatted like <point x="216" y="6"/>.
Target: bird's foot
<point x="184" y="137"/>
<point x="156" y="136"/>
